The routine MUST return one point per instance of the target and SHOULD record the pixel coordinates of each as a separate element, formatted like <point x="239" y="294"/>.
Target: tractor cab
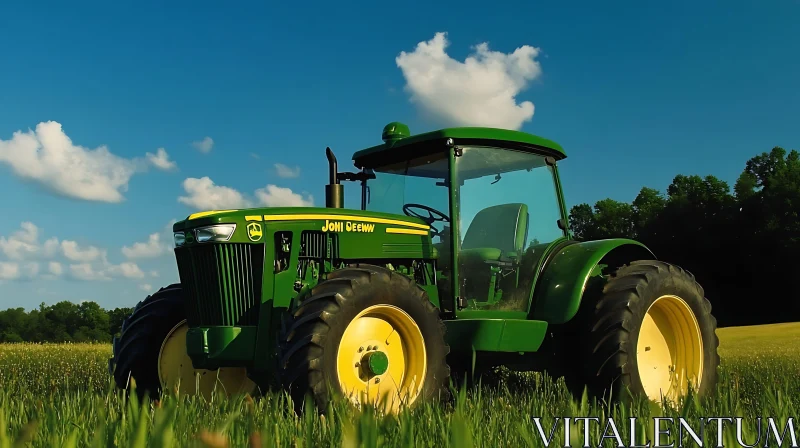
<point x="491" y="197"/>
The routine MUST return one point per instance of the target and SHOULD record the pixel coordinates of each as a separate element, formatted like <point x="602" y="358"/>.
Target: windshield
<point x="493" y="177"/>
<point x="410" y="182"/>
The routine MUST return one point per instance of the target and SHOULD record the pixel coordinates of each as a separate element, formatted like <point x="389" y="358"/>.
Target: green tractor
<point x="460" y="258"/>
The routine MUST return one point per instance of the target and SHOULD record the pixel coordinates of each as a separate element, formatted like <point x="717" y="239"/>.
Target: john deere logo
<point x="254" y="231"/>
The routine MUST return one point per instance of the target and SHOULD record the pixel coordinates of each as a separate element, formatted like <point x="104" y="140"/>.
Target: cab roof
<point x="396" y="136"/>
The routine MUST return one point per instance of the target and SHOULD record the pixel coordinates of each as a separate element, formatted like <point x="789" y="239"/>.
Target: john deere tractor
<point x="459" y="258"/>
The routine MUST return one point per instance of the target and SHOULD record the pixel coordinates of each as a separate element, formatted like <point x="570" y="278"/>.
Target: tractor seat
<point x="496" y="233"/>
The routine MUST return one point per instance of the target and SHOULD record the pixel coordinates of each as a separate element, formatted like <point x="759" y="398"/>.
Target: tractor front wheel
<point x="151" y="351"/>
<point x="368" y="334"/>
<point x="650" y="332"/>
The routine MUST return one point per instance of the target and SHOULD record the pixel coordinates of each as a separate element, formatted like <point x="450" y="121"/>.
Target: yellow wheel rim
<point x="381" y="358"/>
<point x="669" y="350"/>
<point x="176" y="373"/>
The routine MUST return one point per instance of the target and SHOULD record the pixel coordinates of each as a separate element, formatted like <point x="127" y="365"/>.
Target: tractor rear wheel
<point x="368" y="334"/>
<point x="151" y="350"/>
<point x="650" y="332"/>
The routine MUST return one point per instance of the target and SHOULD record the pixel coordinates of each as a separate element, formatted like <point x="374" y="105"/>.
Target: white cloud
<point x="255" y="156"/>
<point x="105" y="271"/>
<point x="89" y="263"/>
<point x="50" y="247"/>
<point x="126" y="269"/>
<point x="48" y="157"/>
<point x="161" y="160"/>
<point x="17" y="271"/>
<point x="146" y="287"/>
<point x="204" y="145"/>
<point x="203" y="194"/>
<point x="153" y="273"/>
<point x="274" y="196"/>
<point x="287" y="172"/>
<point x="85" y="271"/>
<point x="55" y="268"/>
<point x="74" y="252"/>
<point x="22" y="243"/>
<point x="9" y="271"/>
<point x="481" y="91"/>
<point x="152" y="248"/>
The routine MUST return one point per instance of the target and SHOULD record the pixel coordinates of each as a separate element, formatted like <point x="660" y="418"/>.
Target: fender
<point x="559" y="291"/>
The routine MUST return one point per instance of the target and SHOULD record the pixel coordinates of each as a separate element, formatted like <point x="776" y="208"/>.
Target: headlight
<point x="221" y="232"/>
<point x="180" y="238"/>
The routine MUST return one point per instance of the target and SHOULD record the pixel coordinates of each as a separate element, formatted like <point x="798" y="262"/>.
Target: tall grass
<point x="60" y="395"/>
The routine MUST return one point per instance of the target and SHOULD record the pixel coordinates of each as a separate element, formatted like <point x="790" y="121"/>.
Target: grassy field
<point x="60" y="395"/>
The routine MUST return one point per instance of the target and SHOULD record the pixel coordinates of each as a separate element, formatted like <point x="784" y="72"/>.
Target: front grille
<point x="221" y="283"/>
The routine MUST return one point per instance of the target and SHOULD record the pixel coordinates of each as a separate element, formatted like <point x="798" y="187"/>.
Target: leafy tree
<point x="649" y="203"/>
<point x="116" y="317"/>
<point x="582" y="222"/>
<point x="743" y="246"/>
<point x="61" y="322"/>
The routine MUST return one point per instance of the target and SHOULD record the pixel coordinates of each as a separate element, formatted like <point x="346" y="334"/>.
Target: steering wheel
<point x="433" y="215"/>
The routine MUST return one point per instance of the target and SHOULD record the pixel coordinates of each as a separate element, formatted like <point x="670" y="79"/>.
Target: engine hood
<point x="267" y="214"/>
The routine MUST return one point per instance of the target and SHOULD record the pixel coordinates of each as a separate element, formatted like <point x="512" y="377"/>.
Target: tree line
<point x="62" y="322"/>
<point x="743" y="246"/>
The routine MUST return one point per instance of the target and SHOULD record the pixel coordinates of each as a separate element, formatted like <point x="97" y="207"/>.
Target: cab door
<point x="510" y="217"/>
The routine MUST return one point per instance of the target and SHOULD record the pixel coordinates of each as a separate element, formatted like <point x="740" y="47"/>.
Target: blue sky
<point x="636" y="92"/>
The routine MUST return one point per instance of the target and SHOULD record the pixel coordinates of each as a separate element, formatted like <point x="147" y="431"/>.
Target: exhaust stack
<point x="334" y="191"/>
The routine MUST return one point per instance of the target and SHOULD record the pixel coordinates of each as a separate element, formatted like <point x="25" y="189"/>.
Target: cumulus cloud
<point x="204" y="145"/>
<point x="85" y="272"/>
<point x="22" y="243"/>
<point x="146" y="287"/>
<point x="274" y="196"/>
<point x="51" y="247"/>
<point x="203" y="194"/>
<point x="86" y="262"/>
<point x="74" y="252"/>
<point x="126" y="269"/>
<point x="161" y="160"/>
<point x="481" y="91"/>
<point x="287" y="172"/>
<point x="105" y="271"/>
<point x="55" y="268"/>
<point x="151" y="248"/>
<point x="18" y="271"/>
<point x="48" y="157"/>
<point x="9" y="271"/>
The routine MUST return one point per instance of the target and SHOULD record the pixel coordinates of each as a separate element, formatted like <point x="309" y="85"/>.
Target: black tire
<point x="135" y="352"/>
<point x="310" y="337"/>
<point x="606" y="331"/>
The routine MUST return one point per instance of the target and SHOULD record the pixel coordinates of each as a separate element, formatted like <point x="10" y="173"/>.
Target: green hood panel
<point x="358" y="234"/>
<point x="294" y="214"/>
